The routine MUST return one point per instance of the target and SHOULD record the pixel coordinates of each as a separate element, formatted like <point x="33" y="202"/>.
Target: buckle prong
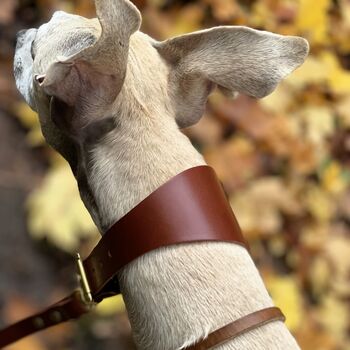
<point x="84" y="283"/>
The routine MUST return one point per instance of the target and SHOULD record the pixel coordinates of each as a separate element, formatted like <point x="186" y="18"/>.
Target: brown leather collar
<point x="189" y="208"/>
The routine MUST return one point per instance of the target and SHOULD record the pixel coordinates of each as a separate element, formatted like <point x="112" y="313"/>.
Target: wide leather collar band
<point x="191" y="207"/>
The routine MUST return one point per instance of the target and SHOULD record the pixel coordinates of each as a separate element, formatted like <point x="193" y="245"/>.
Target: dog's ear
<point x="94" y="76"/>
<point x="236" y="59"/>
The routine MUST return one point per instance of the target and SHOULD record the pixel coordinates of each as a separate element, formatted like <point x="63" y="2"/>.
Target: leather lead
<point x="69" y="308"/>
<point x="189" y="208"/>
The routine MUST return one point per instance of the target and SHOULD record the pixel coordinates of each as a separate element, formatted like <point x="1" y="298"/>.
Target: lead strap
<point x="238" y="327"/>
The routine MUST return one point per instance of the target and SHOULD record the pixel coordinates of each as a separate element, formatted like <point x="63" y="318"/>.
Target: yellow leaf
<point x="312" y="71"/>
<point x="29" y="120"/>
<point x="56" y="211"/>
<point x="333" y="178"/>
<point x="343" y="108"/>
<point x="338" y="78"/>
<point x="322" y="70"/>
<point x="319" y="203"/>
<point x="111" y="306"/>
<point x="35" y="137"/>
<point x="286" y="295"/>
<point x="312" y="19"/>
<point x="318" y="122"/>
<point x="337" y="251"/>
<point x="26" y="115"/>
<point x="319" y="275"/>
<point x="262" y="16"/>
<point x="314" y="236"/>
<point x="334" y="316"/>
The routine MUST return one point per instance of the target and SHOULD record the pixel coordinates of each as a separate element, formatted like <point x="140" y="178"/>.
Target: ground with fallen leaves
<point x="284" y="161"/>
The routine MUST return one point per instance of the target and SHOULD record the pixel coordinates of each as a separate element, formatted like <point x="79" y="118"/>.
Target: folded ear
<point x="238" y="59"/>
<point x="94" y="75"/>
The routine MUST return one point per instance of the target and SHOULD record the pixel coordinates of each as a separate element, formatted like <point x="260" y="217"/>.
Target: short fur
<point x="111" y="100"/>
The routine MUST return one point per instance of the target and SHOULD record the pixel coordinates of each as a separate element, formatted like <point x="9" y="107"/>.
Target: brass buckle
<point x="85" y="290"/>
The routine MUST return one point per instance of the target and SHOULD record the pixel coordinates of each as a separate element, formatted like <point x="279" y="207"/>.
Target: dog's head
<point x="72" y="70"/>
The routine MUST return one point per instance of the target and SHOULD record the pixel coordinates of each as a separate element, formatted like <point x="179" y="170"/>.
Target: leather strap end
<point x="67" y="309"/>
<point x="238" y="327"/>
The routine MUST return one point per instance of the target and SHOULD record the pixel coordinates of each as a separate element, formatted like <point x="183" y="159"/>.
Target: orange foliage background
<point x="284" y="161"/>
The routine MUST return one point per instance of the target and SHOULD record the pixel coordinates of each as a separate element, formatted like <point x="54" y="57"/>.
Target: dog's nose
<point x="20" y="33"/>
<point x="20" y="37"/>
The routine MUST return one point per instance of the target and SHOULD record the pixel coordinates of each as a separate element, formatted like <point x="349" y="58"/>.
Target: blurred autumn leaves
<point x="284" y="160"/>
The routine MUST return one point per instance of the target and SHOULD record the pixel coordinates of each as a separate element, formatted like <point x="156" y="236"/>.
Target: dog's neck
<point x="130" y="163"/>
<point x="175" y="295"/>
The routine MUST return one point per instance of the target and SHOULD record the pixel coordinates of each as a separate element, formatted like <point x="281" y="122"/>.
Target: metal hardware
<point x="38" y="323"/>
<point x="56" y="316"/>
<point x="84" y="283"/>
